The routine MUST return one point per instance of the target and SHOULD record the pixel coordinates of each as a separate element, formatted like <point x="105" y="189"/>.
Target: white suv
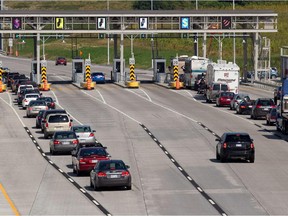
<point x="56" y="122"/>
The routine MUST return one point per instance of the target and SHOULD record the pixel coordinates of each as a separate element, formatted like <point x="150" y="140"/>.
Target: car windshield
<point x="112" y="165"/>
<point x="58" y="118"/>
<point x="32" y="96"/>
<point x="94" y="151"/>
<point x="81" y="129"/>
<point x="48" y="99"/>
<point x="238" y="138"/>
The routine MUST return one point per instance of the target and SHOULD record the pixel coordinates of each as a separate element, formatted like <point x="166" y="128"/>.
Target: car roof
<point x="235" y="133"/>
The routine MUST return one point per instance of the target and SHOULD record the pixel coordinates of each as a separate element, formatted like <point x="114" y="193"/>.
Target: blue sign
<point x="185" y="23"/>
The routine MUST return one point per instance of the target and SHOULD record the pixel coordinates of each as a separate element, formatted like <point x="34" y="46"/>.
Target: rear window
<point x="266" y="102"/>
<point x="238" y="138"/>
<point x="227" y="94"/>
<point x="65" y="136"/>
<point x="224" y="87"/>
<point x="96" y="151"/>
<point x="37" y="103"/>
<point x="216" y="87"/>
<point x="32" y="96"/>
<point x="81" y="129"/>
<point x="58" y="118"/>
<point x="112" y="165"/>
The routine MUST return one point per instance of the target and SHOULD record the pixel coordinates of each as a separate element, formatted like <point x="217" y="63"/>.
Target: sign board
<point x="43" y="63"/>
<point x="175" y="62"/>
<point x="131" y="61"/>
<point x="10" y="42"/>
<point x="87" y="61"/>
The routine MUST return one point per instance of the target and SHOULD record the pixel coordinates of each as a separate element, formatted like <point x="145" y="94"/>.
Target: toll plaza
<point x="159" y="70"/>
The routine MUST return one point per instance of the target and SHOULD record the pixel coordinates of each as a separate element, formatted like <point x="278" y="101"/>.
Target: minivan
<point x="214" y="89"/>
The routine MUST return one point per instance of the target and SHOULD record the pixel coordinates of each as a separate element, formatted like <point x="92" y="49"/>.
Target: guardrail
<point x="271" y="85"/>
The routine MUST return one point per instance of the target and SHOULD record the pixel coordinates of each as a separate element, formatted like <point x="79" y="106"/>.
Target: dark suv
<point x="261" y="107"/>
<point x="234" y="145"/>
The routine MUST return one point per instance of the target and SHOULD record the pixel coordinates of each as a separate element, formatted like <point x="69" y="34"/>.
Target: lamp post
<point x="1" y="35"/>
<point x="108" y="41"/>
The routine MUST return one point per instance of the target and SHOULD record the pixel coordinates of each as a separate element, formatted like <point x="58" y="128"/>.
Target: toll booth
<point x="33" y="73"/>
<point x="78" y="70"/>
<point x="159" y="74"/>
<point x="116" y="73"/>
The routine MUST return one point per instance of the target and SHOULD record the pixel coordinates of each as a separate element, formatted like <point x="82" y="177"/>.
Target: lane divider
<point x="81" y="189"/>
<point x="193" y="182"/>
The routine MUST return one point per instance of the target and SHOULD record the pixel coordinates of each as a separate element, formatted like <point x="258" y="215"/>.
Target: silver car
<point x="236" y="100"/>
<point x="28" y="98"/>
<point x="63" y="141"/>
<point x="84" y="133"/>
<point x="34" y="107"/>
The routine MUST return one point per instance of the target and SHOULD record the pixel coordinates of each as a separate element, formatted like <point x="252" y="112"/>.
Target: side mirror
<point x="127" y="166"/>
<point x="252" y="140"/>
<point x="71" y="120"/>
<point x="93" y="130"/>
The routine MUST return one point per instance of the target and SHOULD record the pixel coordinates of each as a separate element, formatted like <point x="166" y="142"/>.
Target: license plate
<point x="250" y="106"/>
<point x="65" y="143"/>
<point x="114" y="176"/>
<point x="266" y="108"/>
<point x="94" y="161"/>
<point x="238" y="145"/>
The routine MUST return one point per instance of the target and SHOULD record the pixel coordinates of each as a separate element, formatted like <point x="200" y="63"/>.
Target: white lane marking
<point x="200" y="189"/>
<point x="101" y="96"/>
<point x="148" y="99"/>
<point x="189" y="178"/>
<point x="70" y="179"/>
<point x="95" y="202"/>
<point x="145" y="94"/>
<point x="43" y="154"/>
<point x="211" y="201"/>
<point x="180" y="168"/>
<point x="66" y="109"/>
<point x="10" y="99"/>
<point x="113" y="108"/>
<point x="51" y="162"/>
<point x="60" y="170"/>
<point x="172" y="160"/>
<point x="82" y="190"/>
<point x="14" y="111"/>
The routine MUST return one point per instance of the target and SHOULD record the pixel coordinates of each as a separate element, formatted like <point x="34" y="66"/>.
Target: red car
<point x="61" y="61"/>
<point x="86" y="159"/>
<point x="224" y="98"/>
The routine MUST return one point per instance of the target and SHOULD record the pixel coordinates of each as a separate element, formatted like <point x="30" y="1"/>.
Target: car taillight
<point x="273" y="106"/>
<point x="70" y="124"/>
<point x="56" y="142"/>
<point x="52" y="104"/>
<point x="91" y="134"/>
<point x="75" y="141"/>
<point x="82" y="161"/>
<point x="46" y="108"/>
<point x="258" y="106"/>
<point x="25" y="100"/>
<point x="46" y="124"/>
<point x="30" y="108"/>
<point x="252" y="145"/>
<point x="242" y="107"/>
<point x="125" y="173"/>
<point x="101" y="174"/>
<point x="224" y="145"/>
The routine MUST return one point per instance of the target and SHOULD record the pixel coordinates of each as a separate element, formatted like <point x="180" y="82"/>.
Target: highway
<point x="173" y="165"/>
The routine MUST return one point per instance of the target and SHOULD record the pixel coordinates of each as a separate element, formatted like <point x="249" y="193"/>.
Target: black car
<point x="261" y="107"/>
<point x="234" y="145"/>
<point x="22" y="94"/>
<point x="39" y="118"/>
<point x="110" y="173"/>
<point x="244" y="106"/>
<point x="49" y="102"/>
<point x="85" y="145"/>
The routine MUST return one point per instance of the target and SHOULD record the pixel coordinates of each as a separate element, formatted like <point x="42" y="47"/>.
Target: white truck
<point x="223" y="72"/>
<point x="194" y="67"/>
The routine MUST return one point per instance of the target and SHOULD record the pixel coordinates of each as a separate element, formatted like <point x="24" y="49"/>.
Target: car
<point x="9" y="78"/>
<point x="63" y="141"/>
<point x="110" y="173"/>
<point x="49" y="101"/>
<point x="46" y="113"/>
<point x="22" y="87"/>
<point x="23" y="92"/>
<point x="57" y="122"/>
<point x="84" y="133"/>
<point x="85" y="145"/>
<point x="86" y="159"/>
<point x="235" y="145"/>
<point x="244" y="106"/>
<point x="98" y="77"/>
<point x="29" y="97"/>
<point x="271" y="116"/>
<point x="273" y="73"/>
<point x="61" y="61"/>
<point x="261" y="107"/>
<point x="236" y="99"/>
<point x="214" y="89"/>
<point x="39" y="118"/>
<point x="224" y="98"/>
<point x="34" y="107"/>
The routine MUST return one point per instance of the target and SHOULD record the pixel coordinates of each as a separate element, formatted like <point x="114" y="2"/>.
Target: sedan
<point x="235" y="145"/>
<point x="63" y="141"/>
<point x="110" y="173"/>
<point x="224" y="98"/>
<point x="84" y="133"/>
<point x="271" y="116"/>
<point x="262" y="107"/>
<point x="61" y="61"/>
<point x="98" y="77"/>
<point x="49" y="101"/>
<point x="34" y="107"/>
<point x="86" y="159"/>
<point x="27" y="98"/>
<point x="244" y="107"/>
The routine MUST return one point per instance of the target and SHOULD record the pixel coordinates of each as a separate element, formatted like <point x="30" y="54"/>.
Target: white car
<point x="28" y="98"/>
<point x="22" y="87"/>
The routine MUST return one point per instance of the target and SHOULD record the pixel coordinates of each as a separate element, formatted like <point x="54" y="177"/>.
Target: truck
<point x="223" y="72"/>
<point x="194" y="67"/>
<point x="282" y="108"/>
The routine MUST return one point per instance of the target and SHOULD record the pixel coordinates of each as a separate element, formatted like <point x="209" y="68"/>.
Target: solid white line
<point x="132" y="91"/>
<point x="14" y="112"/>
<point x="146" y="94"/>
<point x="101" y="96"/>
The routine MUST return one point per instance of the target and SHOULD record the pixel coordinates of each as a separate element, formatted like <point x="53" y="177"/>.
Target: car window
<point x="96" y="151"/>
<point x="112" y="166"/>
<point x="65" y="136"/>
<point x="58" y="118"/>
<point x="266" y="102"/>
<point x="224" y="87"/>
<point x="81" y="129"/>
<point x="238" y="138"/>
<point x="216" y="87"/>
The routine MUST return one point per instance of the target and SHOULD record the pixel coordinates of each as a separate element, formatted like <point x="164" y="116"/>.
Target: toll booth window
<point x="160" y="68"/>
<point x="78" y="67"/>
<point x="117" y="66"/>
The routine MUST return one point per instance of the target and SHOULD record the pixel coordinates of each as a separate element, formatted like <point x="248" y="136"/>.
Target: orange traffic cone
<point x="1" y="84"/>
<point x="177" y="84"/>
<point x="88" y="84"/>
<point x="45" y="85"/>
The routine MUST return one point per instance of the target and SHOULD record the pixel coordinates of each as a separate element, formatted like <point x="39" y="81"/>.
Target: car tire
<point x="45" y="135"/>
<point x="217" y="155"/>
<point x="52" y="152"/>
<point x="222" y="159"/>
<point x="95" y="187"/>
<point x="268" y="123"/>
<point x="91" y="184"/>
<point x="252" y="159"/>
<point x="128" y="187"/>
